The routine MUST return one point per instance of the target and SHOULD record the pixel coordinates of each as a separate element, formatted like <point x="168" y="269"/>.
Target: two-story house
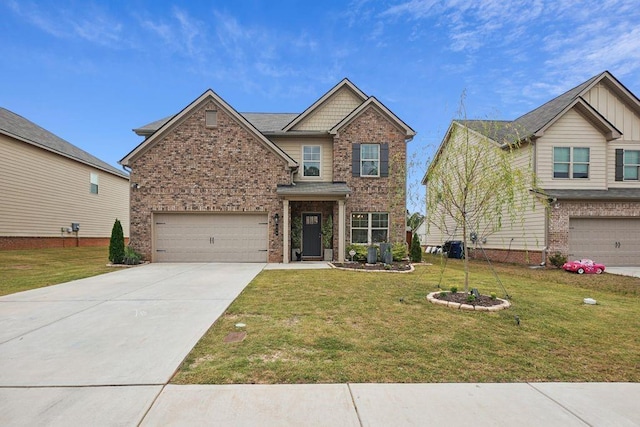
<point x="214" y="185"/>
<point x="584" y="149"/>
<point x="52" y="193"/>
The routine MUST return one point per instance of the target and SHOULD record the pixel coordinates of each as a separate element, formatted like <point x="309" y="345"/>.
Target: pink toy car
<point x="583" y="266"/>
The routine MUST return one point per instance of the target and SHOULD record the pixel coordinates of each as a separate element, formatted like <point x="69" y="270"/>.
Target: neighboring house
<point x="421" y="231"/>
<point x="212" y="184"/>
<point x="47" y="184"/>
<point x="585" y="151"/>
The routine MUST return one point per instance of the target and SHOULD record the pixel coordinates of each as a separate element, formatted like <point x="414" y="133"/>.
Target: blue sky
<point x="91" y="71"/>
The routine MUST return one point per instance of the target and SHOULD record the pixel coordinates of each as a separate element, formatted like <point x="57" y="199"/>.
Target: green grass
<point x="334" y="326"/>
<point x="31" y="269"/>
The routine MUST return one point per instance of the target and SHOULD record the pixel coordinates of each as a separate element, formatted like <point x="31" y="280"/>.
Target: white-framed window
<point x="93" y="188"/>
<point x="211" y="118"/>
<point x="631" y="165"/>
<point x="311" y="164"/>
<point x="370" y="160"/>
<point x="571" y="162"/>
<point x="369" y="227"/>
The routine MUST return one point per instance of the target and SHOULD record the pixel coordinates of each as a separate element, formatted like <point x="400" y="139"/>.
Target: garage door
<point x="611" y="241"/>
<point x="210" y="238"/>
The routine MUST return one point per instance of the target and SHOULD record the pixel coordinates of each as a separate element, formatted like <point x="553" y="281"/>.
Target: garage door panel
<point x="612" y="241"/>
<point x="210" y="238"/>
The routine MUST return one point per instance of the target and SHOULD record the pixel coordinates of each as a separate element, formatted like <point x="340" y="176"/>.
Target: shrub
<point x="493" y="295"/>
<point x="557" y="259"/>
<point x="361" y="252"/>
<point x="454" y="289"/>
<point x="399" y="251"/>
<point x="416" y="249"/>
<point x="131" y="257"/>
<point x="471" y="298"/>
<point x="116" y="244"/>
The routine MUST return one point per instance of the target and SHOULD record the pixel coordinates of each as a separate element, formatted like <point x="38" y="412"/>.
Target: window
<point x="571" y="162"/>
<point x="369" y="228"/>
<point x="631" y="165"/>
<point x="370" y="160"/>
<point x="211" y="118"/>
<point x="94" y="183"/>
<point x="311" y="160"/>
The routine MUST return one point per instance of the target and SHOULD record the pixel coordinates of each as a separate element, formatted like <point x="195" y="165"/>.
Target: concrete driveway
<point x="132" y="327"/>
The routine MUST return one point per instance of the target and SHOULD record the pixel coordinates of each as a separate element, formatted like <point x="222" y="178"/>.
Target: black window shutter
<point x="619" y="164"/>
<point x="355" y="160"/>
<point x="384" y="160"/>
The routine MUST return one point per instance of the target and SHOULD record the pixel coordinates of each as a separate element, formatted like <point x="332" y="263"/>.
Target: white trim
<point x="301" y="175"/>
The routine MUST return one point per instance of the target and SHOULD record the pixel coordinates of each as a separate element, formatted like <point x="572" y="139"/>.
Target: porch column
<point x="285" y="232"/>
<point x="341" y="230"/>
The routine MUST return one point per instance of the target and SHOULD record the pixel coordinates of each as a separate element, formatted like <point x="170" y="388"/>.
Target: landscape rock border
<point x="455" y="305"/>
<point x="411" y="269"/>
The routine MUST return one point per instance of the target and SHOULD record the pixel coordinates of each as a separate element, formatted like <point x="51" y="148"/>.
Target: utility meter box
<point x="75" y="226"/>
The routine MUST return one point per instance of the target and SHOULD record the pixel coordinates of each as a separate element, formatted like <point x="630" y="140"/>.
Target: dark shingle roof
<point x="315" y="189"/>
<point x="610" y="194"/>
<point x="528" y="124"/>
<point x="20" y="128"/>
<point x="264" y="122"/>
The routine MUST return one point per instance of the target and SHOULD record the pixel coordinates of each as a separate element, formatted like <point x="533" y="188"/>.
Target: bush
<point x="557" y="259"/>
<point x="454" y="289"/>
<point x="399" y="251"/>
<point x="416" y="249"/>
<point x="361" y="252"/>
<point x="116" y="244"/>
<point x="131" y="257"/>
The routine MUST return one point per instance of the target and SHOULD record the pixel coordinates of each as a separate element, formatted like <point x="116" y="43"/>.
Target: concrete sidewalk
<point x="522" y="404"/>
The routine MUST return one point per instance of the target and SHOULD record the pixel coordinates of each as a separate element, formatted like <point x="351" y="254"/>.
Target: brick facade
<point x="19" y="243"/>
<point x="374" y="194"/>
<point x="560" y="215"/>
<point x="195" y="168"/>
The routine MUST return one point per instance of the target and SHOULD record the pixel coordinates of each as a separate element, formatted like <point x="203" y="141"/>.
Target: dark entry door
<point x="311" y="235"/>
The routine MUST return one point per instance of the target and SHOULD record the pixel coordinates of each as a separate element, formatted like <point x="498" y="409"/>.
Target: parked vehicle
<point x="583" y="266"/>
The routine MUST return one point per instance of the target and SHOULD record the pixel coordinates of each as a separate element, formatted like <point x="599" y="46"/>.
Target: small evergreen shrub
<point x="416" y="249"/>
<point x="399" y="251"/>
<point x="471" y="298"/>
<point x="131" y="257"/>
<point x="116" y="244"/>
<point x="557" y="259"/>
<point x="493" y="295"/>
<point x="454" y="289"/>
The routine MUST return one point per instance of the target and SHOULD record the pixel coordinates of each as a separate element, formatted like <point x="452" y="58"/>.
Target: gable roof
<point x="372" y="101"/>
<point x="345" y="83"/>
<point x="534" y="123"/>
<point x="17" y="127"/>
<point x="209" y="94"/>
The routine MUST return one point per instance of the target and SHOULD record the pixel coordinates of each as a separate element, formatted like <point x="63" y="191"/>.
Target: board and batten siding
<point x="43" y="192"/>
<point x="623" y="117"/>
<point x="293" y="147"/>
<point x="572" y="130"/>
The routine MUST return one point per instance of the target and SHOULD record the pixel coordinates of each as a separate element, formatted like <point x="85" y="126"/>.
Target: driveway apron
<point x="130" y="327"/>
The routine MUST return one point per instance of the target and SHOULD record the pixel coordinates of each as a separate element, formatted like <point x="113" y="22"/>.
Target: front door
<point x="311" y="235"/>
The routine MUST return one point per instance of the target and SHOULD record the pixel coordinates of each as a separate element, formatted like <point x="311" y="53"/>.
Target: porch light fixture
<point x="276" y="220"/>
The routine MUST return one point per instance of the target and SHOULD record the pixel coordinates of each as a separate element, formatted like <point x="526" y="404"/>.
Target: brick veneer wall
<point x="374" y="194"/>
<point x="559" y="218"/>
<point x="18" y="243"/>
<point x="198" y="169"/>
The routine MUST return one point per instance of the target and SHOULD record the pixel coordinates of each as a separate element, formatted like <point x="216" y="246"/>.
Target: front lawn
<point x="320" y="326"/>
<point x="30" y="269"/>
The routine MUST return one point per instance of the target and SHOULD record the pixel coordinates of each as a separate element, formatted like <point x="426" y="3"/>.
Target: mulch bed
<point x="395" y="266"/>
<point x="461" y="297"/>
